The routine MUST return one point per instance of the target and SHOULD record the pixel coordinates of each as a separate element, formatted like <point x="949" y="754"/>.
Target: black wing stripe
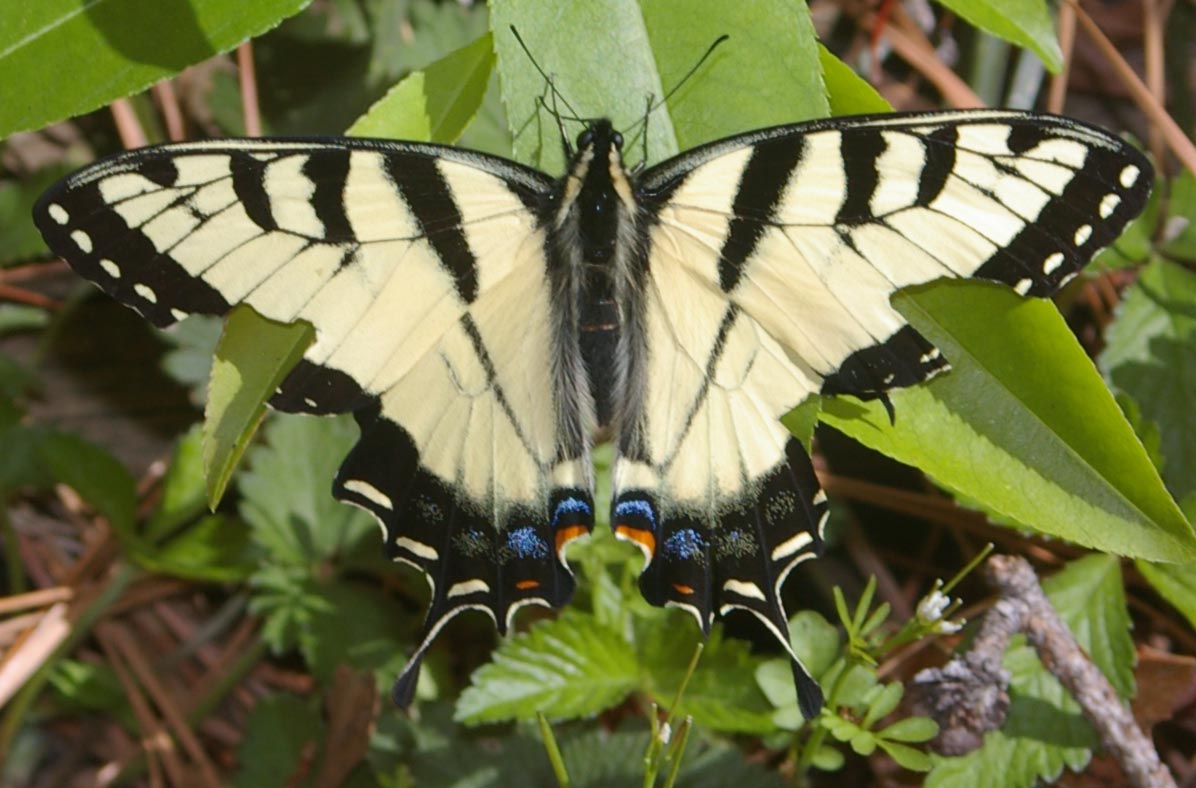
<point x="860" y="164"/>
<point x="249" y="184"/>
<point x="760" y="189"/>
<point x="330" y="173"/>
<point x="939" y="164"/>
<point x="430" y="200"/>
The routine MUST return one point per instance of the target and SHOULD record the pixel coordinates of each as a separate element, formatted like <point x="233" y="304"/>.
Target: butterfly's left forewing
<point x="771" y="261"/>
<point x="423" y="272"/>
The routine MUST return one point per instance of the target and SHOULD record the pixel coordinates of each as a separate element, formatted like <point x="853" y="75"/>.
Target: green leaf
<point x="288" y="600"/>
<point x="127" y="45"/>
<point x="847" y="92"/>
<point x="189" y="361"/>
<point x="816" y="642"/>
<point x="20" y="317"/>
<point x="183" y="491"/>
<point x="96" y="475"/>
<point x="1044" y="441"/>
<point x="286" y="493"/>
<point x="911" y="729"/>
<point x="1137" y="241"/>
<point x="434" y="104"/>
<point x="907" y="757"/>
<point x="1045" y="730"/>
<point x="1092" y="591"/>
<point x="1180" y="230"/>
<point x="252" y="359"/>
<point x="214" y="549"/>
<point x="354" y="626"/>
<point x="280" y="736"/>
<point x="1150" y="354"/>
<point x="1176" y="584"/>
<point x="1027" y="23"/>
<point x="882" y="702"/>
<point x="656" y="43"/>
<point x="568" y="667"/>
<point x="84" y="686"/>
<point x="19" y="239"/>
<point x="722" y="694"/>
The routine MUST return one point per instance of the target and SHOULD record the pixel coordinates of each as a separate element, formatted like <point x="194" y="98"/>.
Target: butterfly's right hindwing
<point x="423" y="271"/>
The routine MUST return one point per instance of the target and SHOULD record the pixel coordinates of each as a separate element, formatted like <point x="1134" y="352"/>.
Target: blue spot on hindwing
<point x="524" y="543"/>
<point x="636" y="507"/>
<point x="569" y="506"/>
<point x="685" y="545"/>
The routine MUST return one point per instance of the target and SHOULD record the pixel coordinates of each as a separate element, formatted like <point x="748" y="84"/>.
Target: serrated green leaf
<point x="722" y="694"/>
<point x="436" y="103"/>
<point x="1176" y="584"/>
<point x="286" y="493"/>
<point x="280" y="734"/>
<point x="1027" y="23"/>
<point x="1045" y="731"/>
<point x="355" y="626"/>
<point x="127" y="46"/>
<point x="252" y="359"/>
<point x="1150" y="354"/>
<point x="1046" y="444"/>
<point x="288" y="600"/>
<point x="1092" y="591"/>
<point x="566" y="668"/>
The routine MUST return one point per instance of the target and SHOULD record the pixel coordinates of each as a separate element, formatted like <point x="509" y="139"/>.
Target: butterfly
<point x="484" y="321"/>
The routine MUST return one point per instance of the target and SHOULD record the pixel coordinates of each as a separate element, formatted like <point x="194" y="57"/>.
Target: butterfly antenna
<point x="556" y="95"/>
<point x="669" y="94"/>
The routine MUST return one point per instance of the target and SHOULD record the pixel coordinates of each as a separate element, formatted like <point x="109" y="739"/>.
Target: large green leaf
<point x="252" y="359"/>
<point x="1176" y="584"/>
<point x="655" y="44"/>
<point x="1023" y="425"/>
<point x="1045" y="731"/>
<point x="65" y="57"/>
<point x="1027" y="23"/>
<point x="436" y="103"/>
<point x="1151" y="355"/>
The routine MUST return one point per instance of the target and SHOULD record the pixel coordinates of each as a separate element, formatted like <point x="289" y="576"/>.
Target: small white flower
<point x="931" y="607"/>
<point x="930" y="613"/>
<point x="665" y="733"/>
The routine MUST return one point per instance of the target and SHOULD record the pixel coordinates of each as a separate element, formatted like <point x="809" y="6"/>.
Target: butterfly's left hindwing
<point x="423" y="271"/>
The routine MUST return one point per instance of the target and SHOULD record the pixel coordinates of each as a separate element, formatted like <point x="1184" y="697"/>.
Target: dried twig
<point x="968" y="696"/>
